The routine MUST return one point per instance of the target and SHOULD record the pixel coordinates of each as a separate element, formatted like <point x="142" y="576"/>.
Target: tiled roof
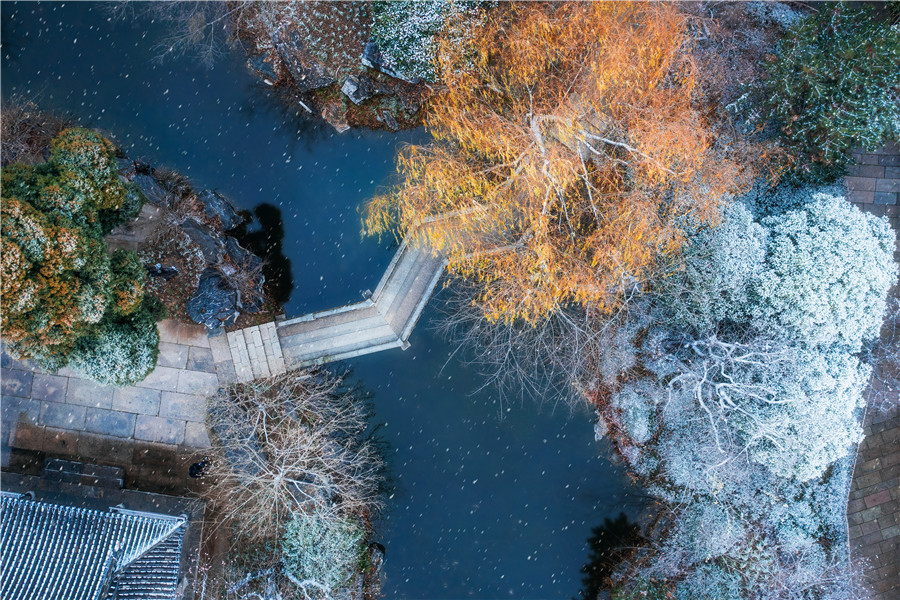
<point x="64" y="552"/>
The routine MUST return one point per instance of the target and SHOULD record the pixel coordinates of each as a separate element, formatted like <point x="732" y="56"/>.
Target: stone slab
<point x="49" y="387"/>
<point x="196" y="435"/>
<point x="159" y="429"/>
<point x="19" y="410"/>
<point x="141" y="401"/>
<point x="110" y="422"/>
<point x="187" y="407"/>
<point x="62" y="416"/>
<point x="195" y="382"/>
<point x="161" y="378"/>
<point x="168" y="331"/>
<point x="225" y="372"/>
<point x="16" y="382"/>
<point x="200" y="359"/>
<point x="218" y="345"/>
<point x="191" y="334"/>
<point x="88" y="393"/>
<point x="172" y="355"/>
<point x="106" y="449"/>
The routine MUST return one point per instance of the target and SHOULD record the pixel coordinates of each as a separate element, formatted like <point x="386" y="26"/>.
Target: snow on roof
<point x="64" y="552"/>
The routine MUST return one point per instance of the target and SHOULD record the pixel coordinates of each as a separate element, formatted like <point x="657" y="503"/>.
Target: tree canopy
<point x="568" y="133"/>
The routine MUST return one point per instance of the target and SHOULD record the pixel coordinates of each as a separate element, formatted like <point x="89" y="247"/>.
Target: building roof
<point x="66" y="552"/>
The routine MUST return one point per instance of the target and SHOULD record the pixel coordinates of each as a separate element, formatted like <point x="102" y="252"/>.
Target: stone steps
<point x="68" y="471"/>
<point x="255" y="352"/>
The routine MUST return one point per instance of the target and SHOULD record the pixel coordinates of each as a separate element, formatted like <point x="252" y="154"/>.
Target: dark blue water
<point x="489" y="501"/>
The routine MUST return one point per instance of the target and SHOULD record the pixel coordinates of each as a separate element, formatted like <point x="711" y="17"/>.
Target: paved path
<point x="64" y="413"/>
<point x="873" y="512"/>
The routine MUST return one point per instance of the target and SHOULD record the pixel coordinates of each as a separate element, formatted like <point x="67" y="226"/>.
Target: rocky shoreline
<point x="197" y="266"/>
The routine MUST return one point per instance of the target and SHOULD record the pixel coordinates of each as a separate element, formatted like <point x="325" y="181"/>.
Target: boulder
<point x="214" y="304"/>
<point x="372" y="58"/>
<point x="212" y="247"/>
<point x="389" y="120"/>
<point x="216" y="206"/>
<point x="600" y="428"/>
<point x="335" y="115"/>
<point x="264" y="66"/>
<point x="151" y="189"/>
<point x="252" y="298"/>
<point x="308" y="73"/>
<point x="126" y="169"/>
<point x="360" y="88"/>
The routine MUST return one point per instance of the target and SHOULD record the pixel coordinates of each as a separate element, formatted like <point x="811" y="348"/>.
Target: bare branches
<point x="26" y="130"/>
<point x="197" y="28"/>
<point x="292" y="443"/>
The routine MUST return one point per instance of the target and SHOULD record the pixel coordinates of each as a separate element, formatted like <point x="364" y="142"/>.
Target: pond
<point x="488" y="500"/>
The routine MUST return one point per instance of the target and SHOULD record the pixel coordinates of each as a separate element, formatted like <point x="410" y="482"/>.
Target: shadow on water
<point x="609" y="544"/>
<point x="266" y="240"/>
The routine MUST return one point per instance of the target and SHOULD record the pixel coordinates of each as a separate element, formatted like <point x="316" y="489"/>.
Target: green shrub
<point x="121" y="350"/>
<point x="128" y="279"/>
<point x="407" y="32"/>
<point x="60" y="288"/>
<point x="323" y="548"/>
<point x="130" y="209"/>
<point x="834" y="86"/>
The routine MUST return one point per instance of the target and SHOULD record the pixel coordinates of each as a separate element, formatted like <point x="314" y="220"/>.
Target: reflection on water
<point x="609" y="544"/>
<point x="265" y="238"/>
<point x="484" y="503"/>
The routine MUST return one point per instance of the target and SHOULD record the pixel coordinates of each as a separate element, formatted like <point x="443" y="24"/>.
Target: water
<point x="489" y="501"/>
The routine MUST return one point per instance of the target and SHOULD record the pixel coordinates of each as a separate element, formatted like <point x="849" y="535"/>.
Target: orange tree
<point x="568" y="135"/>
<point x="60" y="288"/>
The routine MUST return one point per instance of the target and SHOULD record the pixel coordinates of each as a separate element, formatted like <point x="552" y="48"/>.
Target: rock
<point x="264" y="66"/>
<point x="372" y="58"/>
<point x="253" y="296"/>
<point x="334" y="114"/>
<point x="214" y="305"/>
<point x="308" y="73"/>
<point x="376" y="554"/>
<point x="158" y="270"/>
<point x="213" y="249"/>
<point x="216" y="206"/>
<point x="389" y="120"/>
<point x="151" y="189"/>
<point x="126" y="168"/>
<point x="360" y="88"/>
<point x="600" y="428"/>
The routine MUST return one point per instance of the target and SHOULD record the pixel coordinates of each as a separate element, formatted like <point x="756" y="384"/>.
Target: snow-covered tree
<point x="323" y="554"/>
<point x="828" y="269"/>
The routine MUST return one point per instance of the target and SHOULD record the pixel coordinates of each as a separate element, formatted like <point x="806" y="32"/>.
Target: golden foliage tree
<point x="568" y="135"/>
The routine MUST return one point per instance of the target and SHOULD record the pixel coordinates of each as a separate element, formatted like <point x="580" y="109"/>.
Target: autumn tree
<point x="64" y="298"/>
<point x="566" y="134"/>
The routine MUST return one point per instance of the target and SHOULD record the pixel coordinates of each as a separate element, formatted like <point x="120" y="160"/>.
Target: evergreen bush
<point x="323" y="549"/>
<point x="63" y="296"/>
<point x="834" y="86"/>
<point x="121" y="350"/>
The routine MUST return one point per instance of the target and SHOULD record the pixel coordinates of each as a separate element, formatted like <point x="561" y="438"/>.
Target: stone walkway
<point x="873" y="511"/>
<point x="49" y="412"/>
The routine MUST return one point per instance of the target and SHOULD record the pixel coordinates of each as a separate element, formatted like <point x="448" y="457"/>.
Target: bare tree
<point x="201" y="29"/>
<point x="573" y="351"/>
<point x="26" y="130"/>
<point x="292" y="443"/>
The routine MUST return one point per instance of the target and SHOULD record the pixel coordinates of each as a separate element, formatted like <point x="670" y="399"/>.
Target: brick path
<point x="873" y="511"/>
<point x="61" y="413"/>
